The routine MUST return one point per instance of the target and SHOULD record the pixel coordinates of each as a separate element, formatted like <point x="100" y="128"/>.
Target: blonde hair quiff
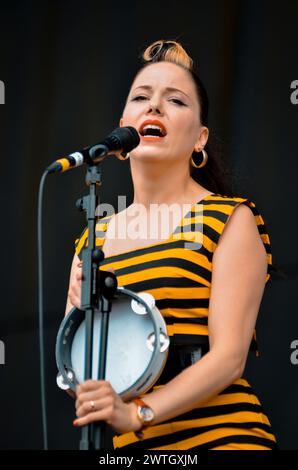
<point x="169" y="51"/>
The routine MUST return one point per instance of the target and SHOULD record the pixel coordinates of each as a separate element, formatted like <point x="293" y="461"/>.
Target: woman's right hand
<point x="75" y="285"/>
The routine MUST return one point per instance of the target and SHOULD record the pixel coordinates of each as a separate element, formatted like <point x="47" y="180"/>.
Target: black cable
<point x="40" y="312"/>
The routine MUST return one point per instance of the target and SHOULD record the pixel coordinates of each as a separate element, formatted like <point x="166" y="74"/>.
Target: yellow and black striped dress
<point x="177" y="272"/>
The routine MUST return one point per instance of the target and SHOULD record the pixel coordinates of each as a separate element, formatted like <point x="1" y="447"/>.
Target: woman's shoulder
<point x="222" y="207"/>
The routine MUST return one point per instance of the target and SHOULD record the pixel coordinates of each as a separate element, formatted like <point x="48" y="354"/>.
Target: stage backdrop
<point x="65" y="70"/>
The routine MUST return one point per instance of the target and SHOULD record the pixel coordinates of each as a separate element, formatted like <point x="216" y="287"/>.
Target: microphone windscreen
<point x="128" y="136"/>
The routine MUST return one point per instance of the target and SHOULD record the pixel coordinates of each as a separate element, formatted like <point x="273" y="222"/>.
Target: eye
<point x="179" y="102"/>
<point x="139" y="98"/>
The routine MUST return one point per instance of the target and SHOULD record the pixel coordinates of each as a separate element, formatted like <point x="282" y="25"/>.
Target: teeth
<point x="153" y="126"/>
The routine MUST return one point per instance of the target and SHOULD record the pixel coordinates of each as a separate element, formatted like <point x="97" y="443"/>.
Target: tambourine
<point x="137" y="346"/>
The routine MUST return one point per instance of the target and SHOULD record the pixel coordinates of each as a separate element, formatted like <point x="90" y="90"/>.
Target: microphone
<point x="122" y="140"/>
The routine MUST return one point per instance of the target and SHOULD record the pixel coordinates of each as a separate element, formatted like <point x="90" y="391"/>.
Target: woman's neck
<point x="162" y="184"/>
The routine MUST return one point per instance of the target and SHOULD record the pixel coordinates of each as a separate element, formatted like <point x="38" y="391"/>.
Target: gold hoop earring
<point x="123" y="156"/>
<point x="205" y="159"/>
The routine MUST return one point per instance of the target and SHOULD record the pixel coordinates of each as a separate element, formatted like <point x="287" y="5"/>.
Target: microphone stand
<point x="98" y="287"/>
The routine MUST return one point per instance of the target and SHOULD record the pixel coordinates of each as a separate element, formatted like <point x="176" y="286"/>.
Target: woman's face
<point x="165" y="92"/>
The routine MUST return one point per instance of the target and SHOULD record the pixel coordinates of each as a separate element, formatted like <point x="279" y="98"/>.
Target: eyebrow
<point x="148" y="87"/>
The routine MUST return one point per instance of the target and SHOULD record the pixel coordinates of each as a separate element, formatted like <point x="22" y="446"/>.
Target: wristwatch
<point x="145" y="415"/>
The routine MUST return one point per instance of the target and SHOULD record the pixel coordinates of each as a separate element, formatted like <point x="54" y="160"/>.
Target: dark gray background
<point x="67" y="67"/>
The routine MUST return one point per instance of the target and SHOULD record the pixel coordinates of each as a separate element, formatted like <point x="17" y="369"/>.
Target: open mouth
<point x="152" y="132"/>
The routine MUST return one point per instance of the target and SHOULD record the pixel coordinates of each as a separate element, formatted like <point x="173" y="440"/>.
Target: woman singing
<point x="209" y="293"/>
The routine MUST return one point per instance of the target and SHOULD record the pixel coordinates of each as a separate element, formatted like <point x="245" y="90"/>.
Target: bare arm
<point x="238" y="281"/>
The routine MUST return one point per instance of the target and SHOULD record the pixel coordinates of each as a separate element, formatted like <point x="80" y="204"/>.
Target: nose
<point x="154" y="107"/>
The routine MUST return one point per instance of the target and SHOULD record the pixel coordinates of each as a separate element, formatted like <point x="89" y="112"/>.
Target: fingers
<point x="102" y="415"/>
<point x="79" y="272"/>
<point x="74" y="297"/>
<point x="75" y="287"/>
<point x="88" y="396"/>
<point x="94" y="406"/>
<point x="95" y="401"/>
<point x="89" y="385"/>
<point x="92" y="390"/>
<point x="96" y="391"/>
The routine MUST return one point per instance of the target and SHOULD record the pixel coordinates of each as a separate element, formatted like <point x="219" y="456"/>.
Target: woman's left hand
<point x="98" y="401"/>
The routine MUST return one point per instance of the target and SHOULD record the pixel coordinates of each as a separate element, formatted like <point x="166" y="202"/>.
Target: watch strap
<point x="139" y="402"/>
